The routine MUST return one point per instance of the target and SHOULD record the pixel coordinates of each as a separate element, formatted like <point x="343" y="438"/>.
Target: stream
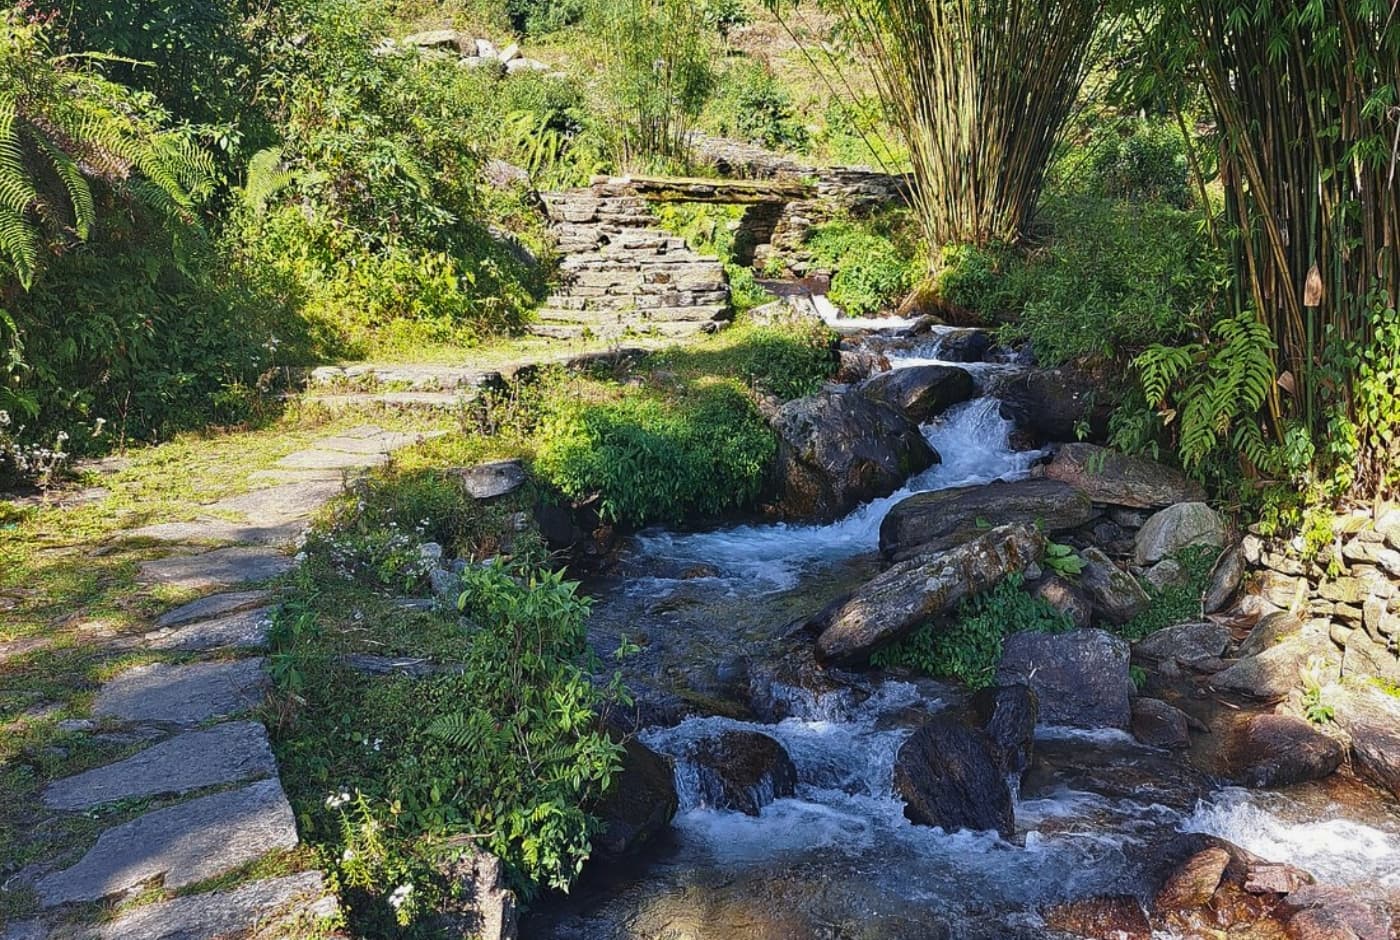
<point x="717" y="613"/>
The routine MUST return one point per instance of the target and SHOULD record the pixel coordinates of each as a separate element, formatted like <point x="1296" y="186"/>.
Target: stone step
<point x="412" y="376"/>
<point x="181" y="695"/>
<point x="297" y="901"/>
<point x="671" y="329"/>
<point x="229" y="753"/>
<point x="219" y="532"/>
<point x="394" y="401"/>
<point x="221" y="568"/>
<point x="246" y="629"/>
<point x="215" y="605"/>
<point x="186" y="843"/>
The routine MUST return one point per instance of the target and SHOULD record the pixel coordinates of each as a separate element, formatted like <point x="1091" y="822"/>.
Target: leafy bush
<point x="537" y="17"/>
<point x="1177" y="603"/>
<point x="872" y="272"/>
<point x="1140" y="162"/>
<point x="723" y="15"/>
<point x="752" y="105"/>
<point x="650" y="458"/>
<point x="969" y="648"/>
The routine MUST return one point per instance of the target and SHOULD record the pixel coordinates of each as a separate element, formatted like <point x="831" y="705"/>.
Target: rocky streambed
<point x="778" y="787"/>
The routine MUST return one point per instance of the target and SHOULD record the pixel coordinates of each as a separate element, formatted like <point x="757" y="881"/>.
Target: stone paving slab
<point x="215" y="605"/>
<point x="220" y="531"/>
<point x="429" y="400"/>
<point x="281" y="503"/>
<point x="301" y="897"/>
<point x="221" y="568"/>
<point x="184" y="695"/>
<point x="303" y="475"/>
<point x="229" y="753"/>
<point x="317" y="459"/>
<point x="246" y="629"/>
<point x="186" y="843"/>
<point x="378" y="444"/>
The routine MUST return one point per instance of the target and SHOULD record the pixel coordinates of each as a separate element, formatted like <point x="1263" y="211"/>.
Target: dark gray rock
<point x="1119" y="480"/>
<point x="940" y="519"/>
<point x="493" y="480"/>
<point x="228" y="753"/>
<point x="223" y="567"/>
<point x="1066" y="598"/>
<point x="915" y="591"/>
<point x="1115" y="594"/>
<point x="921" y="392"/>
<point x="1175" y="528"/>
<point x="963" y="345"/>
<point x="1273" y="673"/>
<point x="246" y="629"/>
<point x="839" y="449"/>
<point x="298" y="900"/>
<point x="948" y="776"/>
<point x="184" y="695"/>
<point x="639" y="805"/>
<point x="187" y="843"/>
<point x="1185" y="642"/>
<point x="282" y="503"/>
<point x="1225" y="580"/>
<point x="1158" y="724"/>
<point x="743" y="771"/>
<point x="1080" y="678"/>
<point x="215" y="605"/>
<point x="1008" y="716"/>
<point x="1280" y="750"/>
<point x="1052" y="404"/>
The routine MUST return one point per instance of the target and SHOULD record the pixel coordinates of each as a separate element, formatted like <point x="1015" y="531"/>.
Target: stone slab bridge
<point x="621" y="274"/>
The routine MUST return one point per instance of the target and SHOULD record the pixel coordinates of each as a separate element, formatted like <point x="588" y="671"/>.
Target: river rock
<point x="838" y="449"/>
<point x="1279" y="750"/>
<point x="1185" y="642"/>
<point x="915" y="591"/>
<point x="1365" y="657"/>
<point x="1115" y="594"/>
<point x="492" y="480"/>
<point x="1052" y="404"/>
<point x="1175" y="528"/>
<point x="1113" y="917"/>
<point x="1120" y="480"/>
<point x="1158" y="724"/>
<point x="948" y="776"/>
<point x="1225" y="580"/>
<point x="1066" y="598"/>
<point x="1273" y="671"/>
<point x="1194" y="882"/>
<point x="939" y="519"/>
<point x="640" y="803"/>
<point x="921" y="392"/>
<point x="1371" y="718"/>
<point x="1331" y="912"/>
<point x="1114" y="767"/>
<point x="1008" y="715"/>
<point x="968" y="345"/>
<point x="743" y="770"/>
<point x="1079" y="678"/>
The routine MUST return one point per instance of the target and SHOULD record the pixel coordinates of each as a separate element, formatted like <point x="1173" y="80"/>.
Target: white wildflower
<point x="337" y="800"/>
<point x="400" y="896"/>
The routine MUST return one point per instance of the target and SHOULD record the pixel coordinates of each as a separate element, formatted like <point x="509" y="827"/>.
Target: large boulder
<point x="948" y="776"/>
<point x="1065" y="597"/>
<point x="1175" y="528"/>
<point x="964" y="345"/>
<point x="939" y="519"/>
<point x="1279" y="750"/>
<point x="640" y="803"/>
<point x="1052" y="404"/>
<point x="1364" y="657"/>
<point x="1119" y="480"/>
<point x="838" y="449"/>
<point x="743" y="770"/>
<point x="1115" y="594"/>
<point x="1273" y="671"/>
<point x="1159" y="724"/>
<point x="1112" y="917"/>
<point x="1008" y="715"/>
<point x="915" y="591"/>
<point x="1184" y="642"/>
<point x="921" y="392"/>
<point x="1371" y="718"/>
<point x="1080" y="678"/>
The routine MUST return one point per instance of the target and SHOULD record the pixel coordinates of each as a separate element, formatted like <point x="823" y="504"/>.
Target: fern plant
<point x="64" y="126"/>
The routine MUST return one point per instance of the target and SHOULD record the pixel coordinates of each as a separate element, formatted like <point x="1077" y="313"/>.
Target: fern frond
<point x="267" y="176"/>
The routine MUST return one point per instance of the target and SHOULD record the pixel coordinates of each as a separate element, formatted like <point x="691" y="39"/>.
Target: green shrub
<point x="969" y="648"/>
<point x="1178" y="603"/>
<point x="650" y="458"/>
<point x="537" y="17"/>
<point x="1140" y="161"/>
<point x="751" y="104"/>
<point x="872" y="272"/>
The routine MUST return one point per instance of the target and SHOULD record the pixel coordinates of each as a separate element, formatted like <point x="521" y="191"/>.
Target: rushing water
<point x="837" y="858"/>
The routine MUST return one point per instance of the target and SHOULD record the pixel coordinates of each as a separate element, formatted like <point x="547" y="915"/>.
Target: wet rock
<point x="1080" y="678"/>
<point x="1115" y="917"/>
<point x="1279" y="750"/>
<point x="964" y="345"/>
<point x="856" y="365"/>
<point x="940" y="519"/>
<point x="1117" y="768"/>
<point x="1115" y="594"/>
<point x="1275" y="878"/>
<point x="1371" y="718"/>
<point x="838" y="449"/>
<point x="640" y="803"/>
<point x="1273" y="672"/>
<point x="1066" y="598"/>
<point x="1185" y="642"/>
<point x="1008" y="715"/>
<point x="1175" y="528"/>
<point x="1052" y="403"/>
<point x="915" y="591"/>
<point x="1329" y="912"/>
<point x="948" y="776"/>
<point x="1225" y="580"/>
<point x="1158" y="724"/>
<point x="743" y="770"/>
<point x="1120" y="480"/>
<point x="1194" y="882"/>
<point x="922" y="392"/>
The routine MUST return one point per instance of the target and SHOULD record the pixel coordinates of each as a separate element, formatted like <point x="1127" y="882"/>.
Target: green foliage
<point x="1063" y="560"/>
<point x="873" y="270"/>
<point x="1138" y="675"/>
<point x="723" y="15"/>
<point x="973" y="279"/>
<point x="788" y="358"/>
<point x="1178" y="603"/>
<point x="1133" y="159"/>
<point x="752" y="105"/>
<point x="970" y="647"/>
<point x="538" y="17"/>
<point x="651" y="458"/>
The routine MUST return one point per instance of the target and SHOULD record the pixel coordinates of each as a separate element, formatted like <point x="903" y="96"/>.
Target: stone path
<point x="210" y="767"/>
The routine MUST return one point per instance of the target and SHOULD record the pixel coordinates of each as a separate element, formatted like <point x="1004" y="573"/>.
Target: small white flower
<point x="348" y="855"/>
<point x="400" y="896"/>
<point x="337" y="800"/>
<point x="377" y="743"/>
